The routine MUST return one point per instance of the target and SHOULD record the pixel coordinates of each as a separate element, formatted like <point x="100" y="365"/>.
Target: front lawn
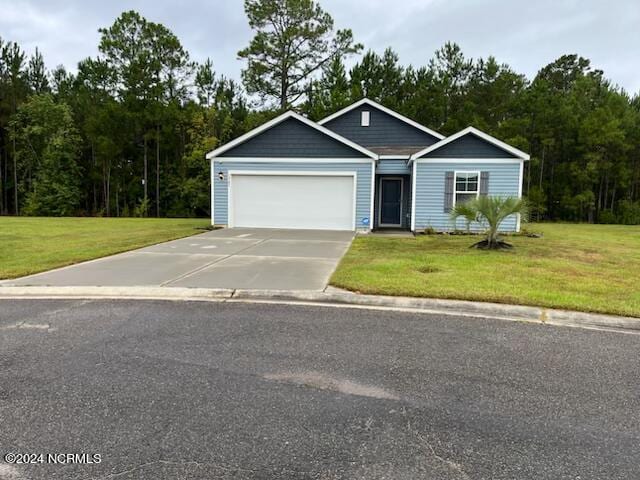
<point x="594" y="268"/>
<point x="32" y="244"/>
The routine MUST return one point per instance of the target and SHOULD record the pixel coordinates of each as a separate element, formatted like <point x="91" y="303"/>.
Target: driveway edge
<point x="335" y="297"/>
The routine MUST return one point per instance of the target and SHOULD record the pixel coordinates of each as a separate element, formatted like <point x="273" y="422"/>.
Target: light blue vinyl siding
<point x="393" y="167"/>
<point x="363" y="187"/>
<point x="504" y="180"/>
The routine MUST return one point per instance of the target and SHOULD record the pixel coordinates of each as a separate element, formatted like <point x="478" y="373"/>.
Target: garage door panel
<point x="292" y="201"/>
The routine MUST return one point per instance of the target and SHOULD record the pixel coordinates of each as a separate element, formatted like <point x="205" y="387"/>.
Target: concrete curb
<point x="159" y="293"/>
<point x="452" y="307"/>
<point x="336" y="297"/>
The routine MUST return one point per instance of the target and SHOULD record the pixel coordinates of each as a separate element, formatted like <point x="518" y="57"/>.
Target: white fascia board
<point x="394" y="157"/>
<point x="366" y="101"/>
<point x="290" y="114"/>
<point x="471" y="130"/>
<point x="467" y="160"/>
<point x="294" y="160"/>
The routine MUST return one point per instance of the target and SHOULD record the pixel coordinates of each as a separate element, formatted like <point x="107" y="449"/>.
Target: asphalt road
<point x="212" y="390"/>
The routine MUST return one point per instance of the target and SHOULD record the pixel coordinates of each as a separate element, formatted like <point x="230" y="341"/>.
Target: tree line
<point x="126" y="134"/>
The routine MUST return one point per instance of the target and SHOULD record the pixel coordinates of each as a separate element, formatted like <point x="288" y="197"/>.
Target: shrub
<point x="629" y="212"/>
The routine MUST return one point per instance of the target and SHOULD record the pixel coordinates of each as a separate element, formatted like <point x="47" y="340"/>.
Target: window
<point x="467" y="186"/>
<point x="364" y="119"/>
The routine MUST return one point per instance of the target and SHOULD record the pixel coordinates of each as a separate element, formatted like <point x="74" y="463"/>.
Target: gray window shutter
<point x="448" y="191"/>
<point x="484" y="183"/>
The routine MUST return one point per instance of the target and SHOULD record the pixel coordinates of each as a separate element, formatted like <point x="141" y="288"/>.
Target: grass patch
<point x="592" y="268"/>
<point x="32" y="244"/>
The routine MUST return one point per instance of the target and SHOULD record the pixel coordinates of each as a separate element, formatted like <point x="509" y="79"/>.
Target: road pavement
<point x="196" y="390"/>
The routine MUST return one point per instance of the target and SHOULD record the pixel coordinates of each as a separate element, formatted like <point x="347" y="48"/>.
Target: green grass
<point x="593" y="268"/>
<point x="31" y="244"/>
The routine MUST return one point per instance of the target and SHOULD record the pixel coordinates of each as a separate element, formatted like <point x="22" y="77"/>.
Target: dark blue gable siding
<point x="383" y="129"/>
<point x="469" y="146"/>
<point x="292" y="138"/>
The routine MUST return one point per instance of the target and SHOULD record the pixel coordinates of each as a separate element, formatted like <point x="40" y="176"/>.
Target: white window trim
<point x="231" y="173"/>
<point x="455" y="184"/>
<point x="386" y="177"/>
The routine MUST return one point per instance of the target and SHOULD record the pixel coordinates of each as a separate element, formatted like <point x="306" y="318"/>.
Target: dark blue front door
<point x="390" y="202"/>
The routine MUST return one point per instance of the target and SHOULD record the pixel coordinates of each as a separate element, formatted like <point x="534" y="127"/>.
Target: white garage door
<point x="292" y="201"/>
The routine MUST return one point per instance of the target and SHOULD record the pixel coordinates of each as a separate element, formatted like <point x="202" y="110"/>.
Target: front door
<point x="390" y="202"/>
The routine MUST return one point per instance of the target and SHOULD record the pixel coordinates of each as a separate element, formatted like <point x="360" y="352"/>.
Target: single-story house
<point x="364" y="167"/>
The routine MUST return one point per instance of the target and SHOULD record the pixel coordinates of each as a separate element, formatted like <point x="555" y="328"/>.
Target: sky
<point x="525" y="34"/>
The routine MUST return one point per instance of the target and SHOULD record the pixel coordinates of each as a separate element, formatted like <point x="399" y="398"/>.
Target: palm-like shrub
<point x="491" y="211"/>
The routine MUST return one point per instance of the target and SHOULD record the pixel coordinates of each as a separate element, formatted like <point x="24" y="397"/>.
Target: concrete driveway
<point x="229" y="258"/>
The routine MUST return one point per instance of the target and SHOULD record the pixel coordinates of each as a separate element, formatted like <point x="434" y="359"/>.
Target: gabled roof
<point x="473" y="131"/>
<point x="279" y="119"/>
<point x="366" y="101"/>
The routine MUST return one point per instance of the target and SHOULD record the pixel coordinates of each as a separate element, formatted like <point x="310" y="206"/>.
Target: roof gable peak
<point x="478" y="133"/>
<point x="382" y="108"/>
<point x="279" y="119"/>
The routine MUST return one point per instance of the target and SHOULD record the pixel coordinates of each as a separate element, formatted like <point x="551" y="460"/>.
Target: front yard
<point x="594" y="268"/>
<point x="32" y="244"/>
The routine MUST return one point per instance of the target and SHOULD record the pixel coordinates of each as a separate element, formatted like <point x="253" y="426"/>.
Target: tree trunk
<point x="1" y="180"/>
<point x="145" y="179"/>
<point x="106" y="175"/>
<point x="6" y="180"/>
<point x="157" y="170"/>
<point x="284" y="88"/>
<point x="15" y="179"/>
<point x="93" y="183"/>
<point x="606" y="190"/>
<point x="526" y="165"/>
<point x="541" y="168"/>
<point x="613" y="197"/>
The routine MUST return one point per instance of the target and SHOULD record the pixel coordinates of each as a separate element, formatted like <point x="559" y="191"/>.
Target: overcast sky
<point x="523" y="33"/>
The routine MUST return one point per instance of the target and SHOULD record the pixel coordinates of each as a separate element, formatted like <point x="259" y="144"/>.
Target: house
<point x="364" y="167"/>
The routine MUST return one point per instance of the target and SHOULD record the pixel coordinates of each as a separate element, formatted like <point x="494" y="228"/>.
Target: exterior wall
<point x="504" y="180"/>
<point x="292" y="138"/>
<point x="363" y="189"/>
<point x="390" y="167"/>
<point x="383" y="129"/>
<point x="469" y="146"/>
